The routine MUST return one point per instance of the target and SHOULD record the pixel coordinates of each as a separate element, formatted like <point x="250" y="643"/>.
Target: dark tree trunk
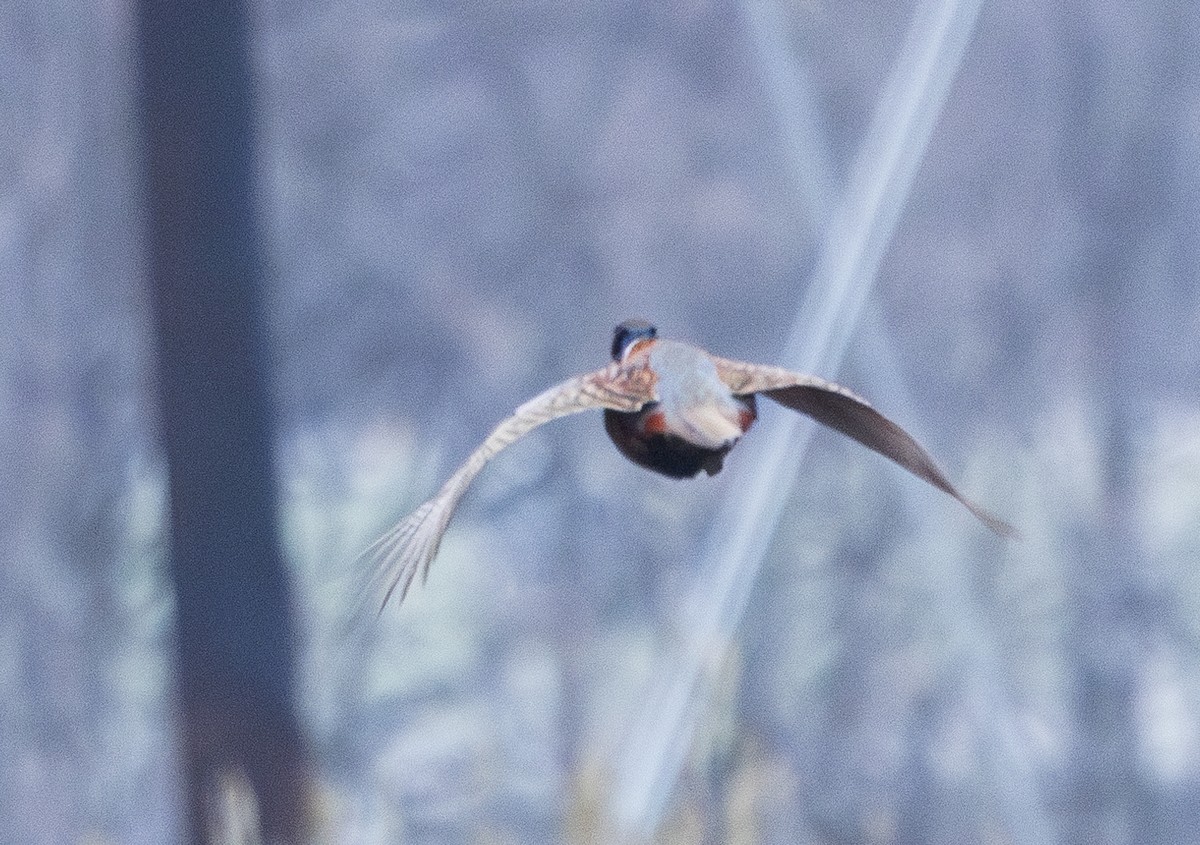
<point x="234" y="629"/>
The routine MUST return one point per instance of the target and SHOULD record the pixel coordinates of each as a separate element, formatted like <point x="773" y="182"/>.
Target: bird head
<point x="629" y="333"/>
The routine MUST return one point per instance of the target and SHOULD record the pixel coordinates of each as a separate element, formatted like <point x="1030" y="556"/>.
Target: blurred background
<point x="981" y="216"/>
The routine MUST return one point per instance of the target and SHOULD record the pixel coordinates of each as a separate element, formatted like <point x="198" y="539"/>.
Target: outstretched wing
<point x="412" y="543"/>
<point x="833" y="405"/>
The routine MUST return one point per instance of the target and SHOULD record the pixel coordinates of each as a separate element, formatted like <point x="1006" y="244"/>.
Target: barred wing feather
<point x="411" y="545"/>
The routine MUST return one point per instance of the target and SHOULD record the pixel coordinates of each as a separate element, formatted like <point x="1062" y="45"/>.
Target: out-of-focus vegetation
<point x="460" y="201"/>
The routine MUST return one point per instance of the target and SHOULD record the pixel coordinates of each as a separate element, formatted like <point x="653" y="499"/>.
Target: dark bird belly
<point x="661" y="452"/>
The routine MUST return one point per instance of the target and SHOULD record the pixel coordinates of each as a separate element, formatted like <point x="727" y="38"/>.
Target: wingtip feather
<point x="399" y="554"/>
<point x="997" y="525"/>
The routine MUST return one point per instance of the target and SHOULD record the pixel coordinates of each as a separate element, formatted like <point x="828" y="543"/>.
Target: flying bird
<point x="672" y="408"/>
